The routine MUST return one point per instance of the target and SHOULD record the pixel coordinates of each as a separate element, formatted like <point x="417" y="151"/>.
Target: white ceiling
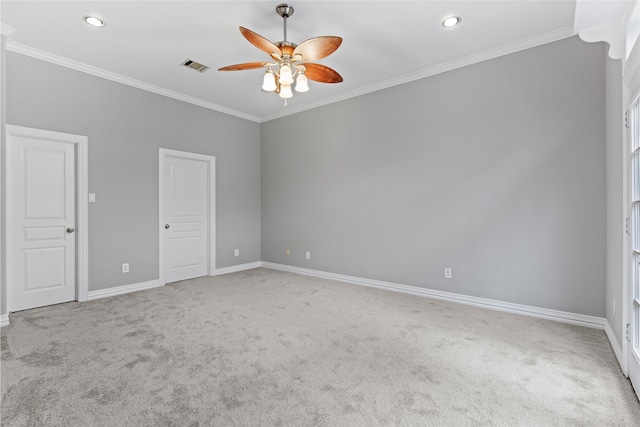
<point x="385" y="42"/>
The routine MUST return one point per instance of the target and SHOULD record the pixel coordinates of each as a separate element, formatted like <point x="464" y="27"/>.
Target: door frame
<point x="211" y="218"/>
<point x="630" y="92"/>
<point x="80" y="143"/>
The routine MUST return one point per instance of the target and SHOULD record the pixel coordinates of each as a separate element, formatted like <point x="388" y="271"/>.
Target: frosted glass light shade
<point x="285" y="91"/>
<point x="302" y="84"/>
<point x="269" y="82"/>
<point x="285" y="75"/>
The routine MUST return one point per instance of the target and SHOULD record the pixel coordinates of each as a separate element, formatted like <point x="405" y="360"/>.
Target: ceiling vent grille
<point x="195" y="65"/>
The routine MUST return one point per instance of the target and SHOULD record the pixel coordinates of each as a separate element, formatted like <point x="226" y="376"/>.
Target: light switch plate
<point x="92" y="197"/>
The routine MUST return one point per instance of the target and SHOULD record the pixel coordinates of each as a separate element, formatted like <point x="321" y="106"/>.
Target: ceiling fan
<point x="291" y="60"/>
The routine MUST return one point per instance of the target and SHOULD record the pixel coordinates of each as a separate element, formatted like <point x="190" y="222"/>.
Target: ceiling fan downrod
<point x="285" y="10"/>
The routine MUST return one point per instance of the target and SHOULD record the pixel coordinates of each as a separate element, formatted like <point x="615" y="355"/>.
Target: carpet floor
<point x="270" y="348"/>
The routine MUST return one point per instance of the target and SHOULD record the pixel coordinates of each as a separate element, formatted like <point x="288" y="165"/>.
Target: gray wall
<point x="126" y="126"/>
<point x="496" y="170"/>
<point x="615" y="200"/>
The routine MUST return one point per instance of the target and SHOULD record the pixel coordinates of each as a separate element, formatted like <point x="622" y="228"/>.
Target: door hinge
<point x="626" y="119"/>
<point x="626" y="226"/>
<point x="628" y="326"/>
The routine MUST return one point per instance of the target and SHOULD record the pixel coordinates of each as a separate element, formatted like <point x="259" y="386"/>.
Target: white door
<point x="185" y="210"/>
<point x="41" y="208"/>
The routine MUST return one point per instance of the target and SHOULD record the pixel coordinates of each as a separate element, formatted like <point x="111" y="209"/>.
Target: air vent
<point x="195" y="65"/>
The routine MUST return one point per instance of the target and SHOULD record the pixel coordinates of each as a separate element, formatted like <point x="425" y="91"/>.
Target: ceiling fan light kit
<point x="292" y="62"/>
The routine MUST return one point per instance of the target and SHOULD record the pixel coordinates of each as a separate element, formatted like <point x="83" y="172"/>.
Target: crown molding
<point x="6" y="31"/>
<point x="428" y="72"/>
<point x="118" y="78"/>
<point x="603" y="21"/>
<point x="610" y="33"/>
<point x="486" y="55"/>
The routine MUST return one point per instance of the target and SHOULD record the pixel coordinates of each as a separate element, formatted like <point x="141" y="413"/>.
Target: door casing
<point x="631" y="92"/>
<point x="211" y="160"/>
<point x="80" y="143"/>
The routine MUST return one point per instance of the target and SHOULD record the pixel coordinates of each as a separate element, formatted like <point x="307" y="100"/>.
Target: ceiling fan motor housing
<point x="285" y="10"/>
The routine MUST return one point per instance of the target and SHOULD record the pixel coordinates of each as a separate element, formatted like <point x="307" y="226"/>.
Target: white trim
<point x="615" y="346"/>
<point x="538" y="40"/>
<point x="81" y="143"/>
<point x="3" y="108"/>
<point x="525" y="310"/>
<point x="610" y="33"/>
<point x="125" y="289"/>
<point x="559" y="316"/>
<point x="82" y="220"/>
<point x="211" y="160"/>
<point x="119" y="78"/>
<point x="507" y="49"/>
<point x="596" y="21"/>
<point x="627" y="264"/>
<point x="212" y="214"/>
<point x="630" y="363"/>
<point x="236" y="268"/>
<point x="631" y="67"/>
<point x="7" y="31"/>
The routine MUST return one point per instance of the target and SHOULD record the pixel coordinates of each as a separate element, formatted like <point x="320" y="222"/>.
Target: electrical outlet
<point x="236" y="252"/>
<point x="287" y="252"/>
<point x="447" y="273"/>
<point x="125" y="267"/>
<point x="308" y="255"/>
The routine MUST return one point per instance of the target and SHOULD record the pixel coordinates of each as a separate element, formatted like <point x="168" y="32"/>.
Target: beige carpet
<point x="269" y="348"/>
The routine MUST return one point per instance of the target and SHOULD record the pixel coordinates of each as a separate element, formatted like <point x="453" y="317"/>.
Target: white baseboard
<point x="615" y="345"/>
<point x="4" y="320"/>
<point x="125" y="289"/>
<point x="525" y="310"/>
<point x="236" y="268"/>
<point x="134" y="287"/>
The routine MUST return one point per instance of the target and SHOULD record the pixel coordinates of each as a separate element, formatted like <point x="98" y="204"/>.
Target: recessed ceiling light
<point x="451" y="21"/>
<point x="93" y="21"/>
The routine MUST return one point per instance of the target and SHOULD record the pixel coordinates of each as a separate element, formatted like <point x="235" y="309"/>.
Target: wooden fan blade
<point x="260" y="42"/>
<point x="321" y="73"/>
<point x="317" y="47"/>
<point x="245" y="66"/>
